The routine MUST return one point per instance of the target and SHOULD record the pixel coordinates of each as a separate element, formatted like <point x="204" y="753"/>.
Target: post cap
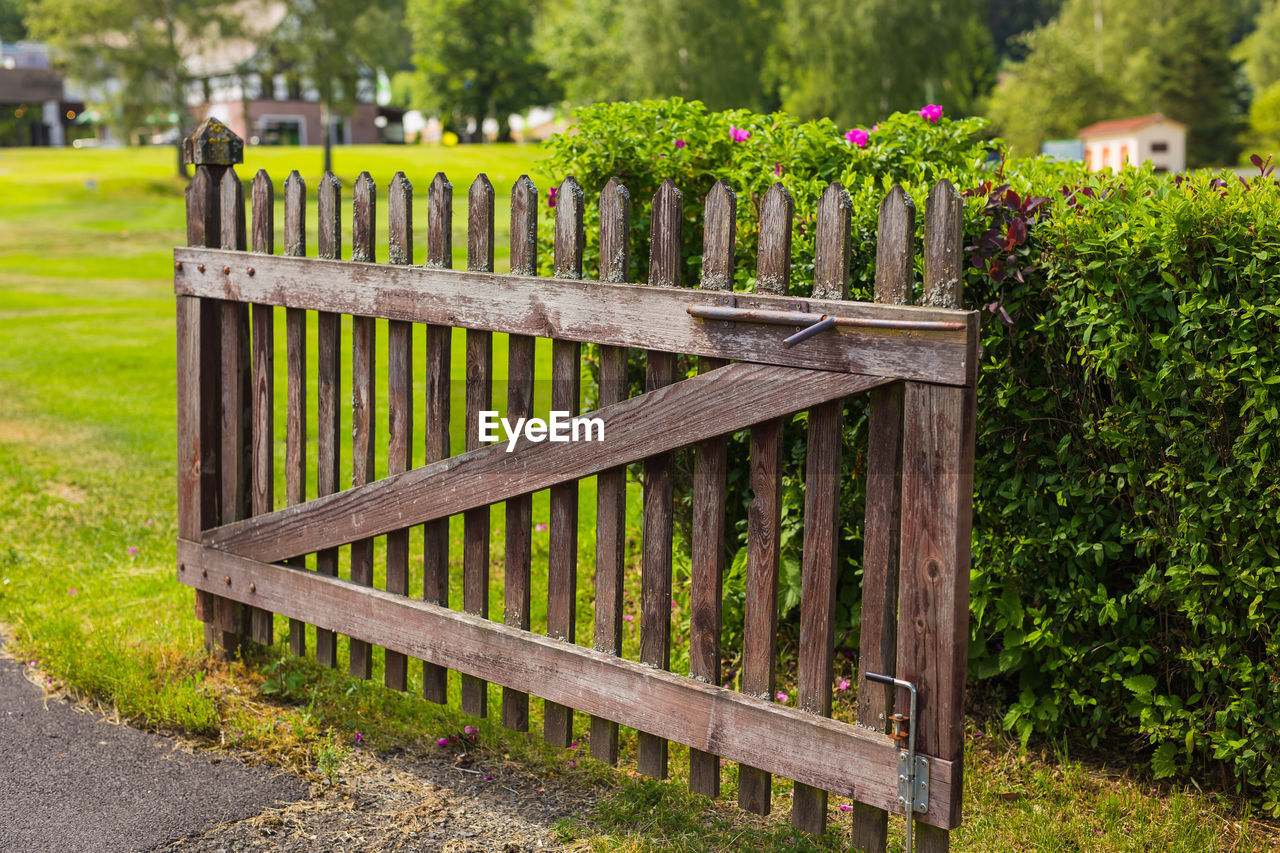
<point x="213" y="144"/>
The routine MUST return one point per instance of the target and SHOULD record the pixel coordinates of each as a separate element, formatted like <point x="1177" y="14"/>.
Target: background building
<point x="1117" y="143"/>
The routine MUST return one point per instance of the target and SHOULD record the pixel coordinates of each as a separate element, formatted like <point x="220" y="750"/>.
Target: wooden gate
<point x="248" y="560"/>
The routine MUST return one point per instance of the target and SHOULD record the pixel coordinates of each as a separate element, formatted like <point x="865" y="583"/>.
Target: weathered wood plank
<point x="764" y="514"/>
<point x="693" y="410"/>
<point x="399" y="406"/>
<point x="895" y="272"/>
<point x="822" y="510"/>
<point x="639" y="316"/>
<point x="435" y="558"/>
<point x="363" y="398"/>
<point x="710" y="472"/>
<point x="235" y="458"/>
<point x="475" y="536"/>
<point x="611" y="485"/>
<point x="659" y="481"/>
<point x="519" y="509"/>
<point x="262" y="435"/>
<point x="707" y="717"/>
<point x="937" y="506"/>
<point x="328" y="390"/>
<point x="295" y="319"/>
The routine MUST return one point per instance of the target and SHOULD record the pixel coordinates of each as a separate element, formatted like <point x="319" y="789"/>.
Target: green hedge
<point x="1127" y="513"/>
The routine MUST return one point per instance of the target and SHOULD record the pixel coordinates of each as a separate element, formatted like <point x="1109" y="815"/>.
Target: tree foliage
<point x="12" y="26"/>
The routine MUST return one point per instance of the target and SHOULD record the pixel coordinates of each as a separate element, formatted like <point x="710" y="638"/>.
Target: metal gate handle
<point x="908" y="773"/>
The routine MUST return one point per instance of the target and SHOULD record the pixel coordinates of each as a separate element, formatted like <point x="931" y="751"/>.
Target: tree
<point x="1101" y="59"/>
<point x="12" y="27"/>
<point x="859" y="60"/>
<point x="1260" y="54"/>
<point x="135" y="53"/>
<point x="1009" y="19"/>
<point x="476" y="60"/>
<point x="335" y="47"/>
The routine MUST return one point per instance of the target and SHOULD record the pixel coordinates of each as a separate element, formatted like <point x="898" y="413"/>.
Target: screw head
<point x="226" y="270"/>
<point x="200" y="267"/>
<point x="177" y="265"/>
<point x="182" y="567"/>
<point x="250" y="270"/>
<point x="228" y="579"/>
<point x="253" y="587"/>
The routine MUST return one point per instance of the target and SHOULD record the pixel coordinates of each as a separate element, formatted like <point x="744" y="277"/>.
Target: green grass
<point x="87" y="533"/>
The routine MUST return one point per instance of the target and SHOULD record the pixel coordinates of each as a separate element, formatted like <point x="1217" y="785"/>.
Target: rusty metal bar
<point x="804" y="318"/>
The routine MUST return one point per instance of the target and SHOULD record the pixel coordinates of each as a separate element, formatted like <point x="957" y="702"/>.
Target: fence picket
<point x="710" y="472"/>
<point x="895" y="272"/>
<point x="475" y="537"/>
<point x="519" y="509"/>
<point x="760" y="616"/>
<point x="399" y="406"/>
<point x="295" y="319"/>
<point x="262" y="440"/>
<point x="328" y="390"/>
<point x="611" y="485"/>
<point x="659" y="485"/>
<point x="435" y="535"/>
<point x="822" y="509"/>
<point x="363" y="399"/>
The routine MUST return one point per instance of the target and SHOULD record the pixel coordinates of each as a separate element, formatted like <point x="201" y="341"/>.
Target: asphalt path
<point x="72" y="781"/>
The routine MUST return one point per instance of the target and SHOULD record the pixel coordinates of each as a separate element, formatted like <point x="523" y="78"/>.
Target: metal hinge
<point x="913" y="787"/>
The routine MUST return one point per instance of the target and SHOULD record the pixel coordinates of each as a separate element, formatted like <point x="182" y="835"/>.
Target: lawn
<point x="87" y="533"/>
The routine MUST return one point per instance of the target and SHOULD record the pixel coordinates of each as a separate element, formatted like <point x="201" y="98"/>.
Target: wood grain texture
<point x="659" y="480"/>
<point x="328" y="390"/>
<point x="435" y="558"/>
<point x="944" y="246"/>
<point x="364" y="407"/>
<point x="895" y="273"/>
<point x="262" y="437"/>
<point x="820" y="561"/>
<point x="295" y="436"/>
<point x="611" y="485"/>
<point x="235" y="458"/>
<point x="716" y="403"/>
<point x="764" y="514"/>
<point x="937" y="506"/>
<point x="475" y="536"/>
<point x="562" y="546"/>
<point x="519" y="509"/>
<point x="199" y="337"/>
<point x="673" y="706"/>
<point x="399" y="406"/>
<point x="710" y="473"/>
<point x="639" y="316"/>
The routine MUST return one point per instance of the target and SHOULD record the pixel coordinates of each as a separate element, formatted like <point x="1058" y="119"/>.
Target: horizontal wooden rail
<point x="823" y="753"/>
<point x="625" y="315"/>
<point x="711" y="404"/>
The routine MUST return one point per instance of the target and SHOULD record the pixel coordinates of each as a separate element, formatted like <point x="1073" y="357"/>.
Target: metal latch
<point x="913" y="771"/>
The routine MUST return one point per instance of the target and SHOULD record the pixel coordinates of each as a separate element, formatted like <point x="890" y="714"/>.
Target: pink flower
<point x="842" y="684"/>
<point x="777" y="170"/>
<point x="72" y="591"/>
<point x="442" y="741"/>
<point x="845" y="807"/>
<point x="781" y="697"/>
<point x="680" y="143"/>
<point x="931" y="113"/>
<point x="874" y="128"/>
<point x="573" y="745"/>
<point x="359" y="737"/>
<point x="540" y="527"/>
<point x="488" y="778"/>
<point x="133" y="549"/>
<point x="627" y="617"/>
<point x="737" y="134"/>
<point x="470" y="730"/>
<point x="857" y="137"/>
<point x="572" y="763"/>
<point x="551" y="198"/>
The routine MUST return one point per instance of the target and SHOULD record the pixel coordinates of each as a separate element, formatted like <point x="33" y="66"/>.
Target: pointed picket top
<point x="896" y="248"/>
<point x="329" y="211"/>
<point x="664" y="242"/>
<point x="212" y="144"/>
<point x="773" y="261"/>
<point x="364" y="200"/>
<point x="944" y="247"/>
<point x="719" y="237"/>
<point x="524" y="227"/>
<point x="232" y="204"/>
<point x="264" y="216"/>
<point x="400" y="220"/>
<point x="480" y="225"/>
<point x="832" y="244"/>
<point x="615" y="231"/>
<point x="569" y="236"/>
<point x="440" y="222"/>
<point x="295" y="209"/>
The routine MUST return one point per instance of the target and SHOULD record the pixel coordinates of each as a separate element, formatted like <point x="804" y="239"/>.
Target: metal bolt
<point x="204" y="573"/>
<point x="253" y="587"/>
<point x="182" y="567"/>
<point x="250" y="270"/>
<point x="200" y="267"/>
<point x="177" y="265"/>
<point x="226" y="270"/>
<point x="228" y="580"/>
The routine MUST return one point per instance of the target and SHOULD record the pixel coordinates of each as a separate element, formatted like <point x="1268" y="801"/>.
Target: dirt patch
<point x="64" y="492"/>
<point x="412" y="801"/>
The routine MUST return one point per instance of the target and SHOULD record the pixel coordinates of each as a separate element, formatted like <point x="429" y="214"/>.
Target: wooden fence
<point x="247" y="559"/>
